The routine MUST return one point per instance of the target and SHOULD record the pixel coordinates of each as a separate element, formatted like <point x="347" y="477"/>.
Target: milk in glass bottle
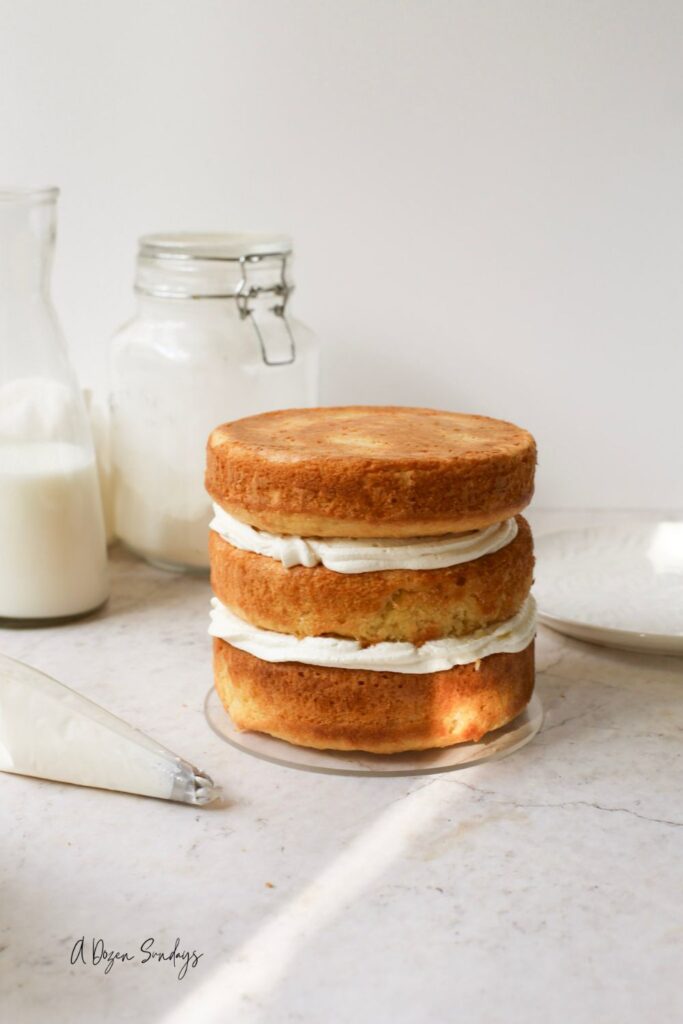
<point x="53" y="559"/>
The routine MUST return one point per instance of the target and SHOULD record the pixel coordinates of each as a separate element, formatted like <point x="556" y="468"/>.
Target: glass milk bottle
<point x="53" y="559"/>
<point x="212" y="340"/>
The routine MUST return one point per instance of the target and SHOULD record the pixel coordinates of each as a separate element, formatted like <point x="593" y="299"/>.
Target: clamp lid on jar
<point x="251" y="269"/>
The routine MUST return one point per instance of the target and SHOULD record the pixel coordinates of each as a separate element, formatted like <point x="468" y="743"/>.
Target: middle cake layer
<point x="394" y="605"/>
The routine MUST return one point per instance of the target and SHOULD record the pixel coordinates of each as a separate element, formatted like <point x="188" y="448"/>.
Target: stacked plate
<point x="619" y="585"/>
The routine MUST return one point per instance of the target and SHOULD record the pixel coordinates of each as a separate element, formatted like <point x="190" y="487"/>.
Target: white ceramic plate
<point x="339" y="762"/>
<point x="620" y="585"/>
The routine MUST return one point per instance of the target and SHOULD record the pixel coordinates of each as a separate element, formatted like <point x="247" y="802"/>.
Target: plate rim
<point x="555" y="622"/>
<point x="534" y="710"/>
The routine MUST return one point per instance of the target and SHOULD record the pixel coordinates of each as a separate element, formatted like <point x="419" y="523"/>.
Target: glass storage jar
<point x="212" y="341"/>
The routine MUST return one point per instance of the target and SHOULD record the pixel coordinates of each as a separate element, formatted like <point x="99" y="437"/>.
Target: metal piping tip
<point x="191" y="786"/>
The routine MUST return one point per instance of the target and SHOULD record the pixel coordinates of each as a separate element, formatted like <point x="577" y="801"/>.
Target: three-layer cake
<point x="372" y="575"/>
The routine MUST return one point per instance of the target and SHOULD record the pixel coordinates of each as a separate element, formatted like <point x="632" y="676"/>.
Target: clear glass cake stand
<point x="493" y="746"/>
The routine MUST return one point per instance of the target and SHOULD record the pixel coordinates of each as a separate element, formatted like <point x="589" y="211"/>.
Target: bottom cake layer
<point x="378" y="712"/>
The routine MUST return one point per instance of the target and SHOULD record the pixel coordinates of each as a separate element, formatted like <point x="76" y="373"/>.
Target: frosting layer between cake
<point x="344" y="555"/>
<point x="507" y="637"/>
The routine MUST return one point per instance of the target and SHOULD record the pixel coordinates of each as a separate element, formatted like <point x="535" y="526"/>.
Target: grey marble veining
<point x="544" y="887"/>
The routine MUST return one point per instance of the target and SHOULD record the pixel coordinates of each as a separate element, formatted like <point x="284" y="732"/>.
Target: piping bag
<point x="51" y="732"/>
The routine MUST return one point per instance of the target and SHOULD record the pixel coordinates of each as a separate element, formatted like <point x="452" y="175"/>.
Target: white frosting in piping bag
<point x="511" y="636"/>
<point x="364" y="555"/>
<point x="52" y="732"/>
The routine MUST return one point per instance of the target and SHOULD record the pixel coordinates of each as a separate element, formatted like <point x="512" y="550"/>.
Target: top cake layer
<point x="365" y="471"/>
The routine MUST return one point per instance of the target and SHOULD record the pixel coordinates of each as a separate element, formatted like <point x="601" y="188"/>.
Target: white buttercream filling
<point x="507" y="637"/>
<point x="365" y="555"/>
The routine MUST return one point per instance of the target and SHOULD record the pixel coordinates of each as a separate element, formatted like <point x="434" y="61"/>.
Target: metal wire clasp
<point x="281" y="291"/>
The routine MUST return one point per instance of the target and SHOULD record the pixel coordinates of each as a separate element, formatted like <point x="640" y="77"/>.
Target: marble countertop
<point x="544" y="887"/>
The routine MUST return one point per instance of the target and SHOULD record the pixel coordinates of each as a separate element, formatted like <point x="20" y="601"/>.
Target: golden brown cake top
<point x="375" y="433"/>
<point x="370" y="471"/>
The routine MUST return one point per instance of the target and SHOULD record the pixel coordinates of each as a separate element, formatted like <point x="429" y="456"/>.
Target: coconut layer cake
<point x="371" y="573"/>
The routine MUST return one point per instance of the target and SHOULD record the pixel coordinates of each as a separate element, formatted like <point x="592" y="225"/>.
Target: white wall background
<point x="485" y="196"/>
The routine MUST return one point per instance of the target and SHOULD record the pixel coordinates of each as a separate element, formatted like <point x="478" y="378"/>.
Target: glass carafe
<point x="53" y="559"/>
